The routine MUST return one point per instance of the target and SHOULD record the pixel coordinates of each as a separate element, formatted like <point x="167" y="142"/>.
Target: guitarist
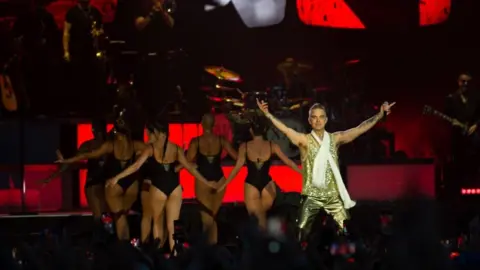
<point x="464" y="106"/>
<point x="37" y="43"/>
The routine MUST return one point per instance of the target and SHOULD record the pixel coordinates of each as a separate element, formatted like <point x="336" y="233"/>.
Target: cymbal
<point x="291" y="65"/>
<point x="223" y="74"/>
<point x="218" y="88"/>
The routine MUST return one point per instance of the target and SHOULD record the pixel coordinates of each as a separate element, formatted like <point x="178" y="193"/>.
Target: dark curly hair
<point x="158" y="126"/>
<point x="162" y="127"/>
<point x="121" y="127"/>
<point x="99" y="127"/>
<point x="259" y="125"/>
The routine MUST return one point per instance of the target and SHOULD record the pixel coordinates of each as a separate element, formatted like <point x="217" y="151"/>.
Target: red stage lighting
<point x="338" y="14"/>
<point x="286" y="178"/>
<point x="434" y="11"/>
<point x="328" y="13"/>
<point x="470" y="191"/>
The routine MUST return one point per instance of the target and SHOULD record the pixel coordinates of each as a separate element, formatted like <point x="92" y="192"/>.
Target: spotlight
<point x="470" y="191"/>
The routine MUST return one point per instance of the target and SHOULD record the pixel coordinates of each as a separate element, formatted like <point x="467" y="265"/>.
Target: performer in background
<point x="260" y="191"/>
<point x="81" y="24"/>
<point x="122" y="193"/>
<point x="464" y="106"/>
<point x="154" y="25"/>
<point x="38" y="42"/>
<point x="165" y="190"/>
<point x="207" y="151"/>
<point x="293" y="73"/>
<point x="127" y="100"/>
<point x="323" y="186"/>
<point x="95" y="185"/>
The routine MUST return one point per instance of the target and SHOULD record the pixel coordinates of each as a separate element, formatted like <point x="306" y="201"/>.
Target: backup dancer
<point x="260" y="190"/>
<point x="94" y="188"/>
<point x="165" y="189"/>
<point x="120" y="153"/>
<point x="206" y="151"/>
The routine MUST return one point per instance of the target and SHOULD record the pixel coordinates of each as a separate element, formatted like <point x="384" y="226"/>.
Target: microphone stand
<point x="21" y="133"/>
<point x="22" y="141"/>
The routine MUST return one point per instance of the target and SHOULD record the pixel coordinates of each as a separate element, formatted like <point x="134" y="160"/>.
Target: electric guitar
<point x="9" y="100"/>
<point x="463" y="126"/>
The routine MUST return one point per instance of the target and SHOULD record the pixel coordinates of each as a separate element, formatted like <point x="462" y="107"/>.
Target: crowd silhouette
<point x="408" y="238"/>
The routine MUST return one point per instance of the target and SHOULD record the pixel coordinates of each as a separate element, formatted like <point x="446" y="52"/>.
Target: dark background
<point x="399" y="60"/>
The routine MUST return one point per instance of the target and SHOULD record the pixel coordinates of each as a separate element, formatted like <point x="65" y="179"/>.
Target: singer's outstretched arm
<point x="297" y="138"/>
<point x="343" y="137"/>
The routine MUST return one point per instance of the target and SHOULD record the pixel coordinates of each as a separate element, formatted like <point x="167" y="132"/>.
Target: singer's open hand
<point x="60" y="158"/>
<point x="472" y="129"/>
<point x="386" y="107"/>
<point x="263" y="106"/>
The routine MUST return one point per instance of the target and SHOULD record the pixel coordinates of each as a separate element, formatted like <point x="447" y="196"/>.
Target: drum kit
<point x="228" y="97"/>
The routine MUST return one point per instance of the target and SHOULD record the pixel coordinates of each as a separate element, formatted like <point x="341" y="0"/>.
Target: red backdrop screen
<point x="338" y="14"/>
<point x="38" y="197"/>
<point x="390" y="182"/>
<point x="365" y="182"/>
<point x="181" y="134"/>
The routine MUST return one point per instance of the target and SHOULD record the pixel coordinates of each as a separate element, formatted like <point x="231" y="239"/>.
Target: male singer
<point x="323" y="186"/>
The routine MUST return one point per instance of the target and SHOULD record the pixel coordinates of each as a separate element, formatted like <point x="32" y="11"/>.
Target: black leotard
<point x="162" y="175"/>
<point x="113" y="167"/>
<point x="95" y="174"/>
<point x="210" y="166"/>
<point x="258" y="177"/>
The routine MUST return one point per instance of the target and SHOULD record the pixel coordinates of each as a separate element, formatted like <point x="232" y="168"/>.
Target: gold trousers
<point x="310" y="207"/>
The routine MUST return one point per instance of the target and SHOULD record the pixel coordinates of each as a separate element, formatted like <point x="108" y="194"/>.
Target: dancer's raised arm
<point x="290" y="163"/>
<point x="96" y="153"/>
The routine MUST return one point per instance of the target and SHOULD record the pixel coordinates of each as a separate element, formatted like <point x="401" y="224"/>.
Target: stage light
<point x="470" y="191"/>
<point x="222" y="3"/>
<point x="217" y="3"/>
<point x="208" y="8"/>
<point x="454" y="255"/>
<point x="254" y="13"/>
<point x="328" y="13"/>
<point x="260" y="13"/>
<point x="338" y="14"/>
<point x="434" y="11"/>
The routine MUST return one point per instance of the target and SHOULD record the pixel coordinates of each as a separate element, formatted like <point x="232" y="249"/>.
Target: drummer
<point x="292" y="72"/>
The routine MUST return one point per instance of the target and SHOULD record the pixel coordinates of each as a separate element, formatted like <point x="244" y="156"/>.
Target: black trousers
<point x="40" y="79"/>
<point x="154" y="86"/>
<point x="88" y="84"/>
